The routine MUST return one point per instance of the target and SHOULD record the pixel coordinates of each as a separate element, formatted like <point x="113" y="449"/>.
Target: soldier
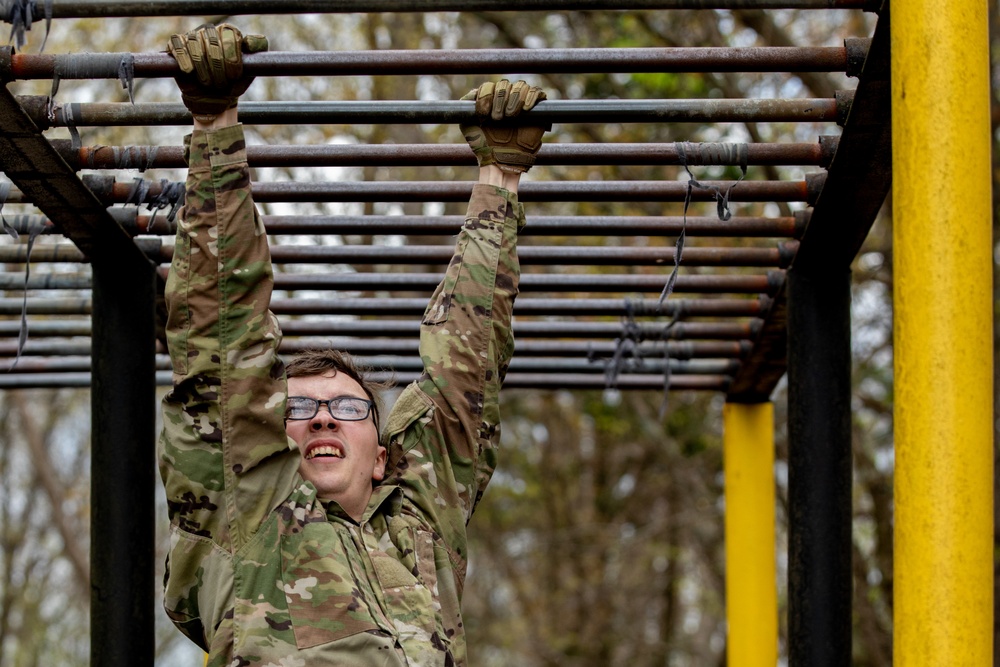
<point x="299" y="536"/>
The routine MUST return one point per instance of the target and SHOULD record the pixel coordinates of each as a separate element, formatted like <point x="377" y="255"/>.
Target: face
<point x="341" y="458"/>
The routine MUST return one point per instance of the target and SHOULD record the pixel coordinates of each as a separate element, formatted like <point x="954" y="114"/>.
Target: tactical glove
<point x="511" y="146"/>
<point x="211" y="58"/>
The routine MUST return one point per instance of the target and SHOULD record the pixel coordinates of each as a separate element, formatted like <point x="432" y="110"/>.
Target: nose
<point x="323" y="419"/>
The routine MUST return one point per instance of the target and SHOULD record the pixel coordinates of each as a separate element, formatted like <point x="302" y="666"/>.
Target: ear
<point x="378" y="473"/>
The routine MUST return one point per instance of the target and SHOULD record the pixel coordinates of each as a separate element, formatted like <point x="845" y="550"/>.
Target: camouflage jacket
<point x="260" y="571"/>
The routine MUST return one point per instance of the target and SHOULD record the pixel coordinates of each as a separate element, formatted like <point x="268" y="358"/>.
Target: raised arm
<point x="444" y="430"/>
<point x="224" y="415"/>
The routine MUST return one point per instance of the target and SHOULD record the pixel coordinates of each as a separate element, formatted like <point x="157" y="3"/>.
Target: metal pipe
<point x="122" y="498"/>
<point x="539" y="225"/>
<point x="751" y="589"/>
<point x="523" y="329"/>
<point x="944" y="601"/>
<point x="819" y="468"/>
<point x="449" y="112"/>
<point x="532" y="282"/>
<point x="529" y="255"/>
<point x="416" y="307"/>
<point x="633" y="382"/>
<point x="452" y="61"/>
<point x="60" y="281"/>
<point x="600" y="350"/>
<point x="413" y="364"/>
<point x="459" y="191"/>
<point x="124" y="8"/>
<point x="410" y="155"/>
<point x="535" y="307"/>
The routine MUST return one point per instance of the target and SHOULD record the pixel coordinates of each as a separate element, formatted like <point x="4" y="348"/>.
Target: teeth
<point x="324" y="451"/>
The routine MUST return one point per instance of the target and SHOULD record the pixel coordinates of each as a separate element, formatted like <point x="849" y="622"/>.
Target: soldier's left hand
<point x="497" y="138"/>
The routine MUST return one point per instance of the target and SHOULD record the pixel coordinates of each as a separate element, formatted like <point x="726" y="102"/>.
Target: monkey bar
<point x="759" y="294"/>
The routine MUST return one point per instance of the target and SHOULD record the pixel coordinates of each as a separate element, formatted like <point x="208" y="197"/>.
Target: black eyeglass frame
<point x="329" y="407"/>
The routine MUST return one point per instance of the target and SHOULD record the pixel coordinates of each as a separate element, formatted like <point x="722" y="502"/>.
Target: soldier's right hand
<point x="211" y="59"/>
<point x="500" y="137"/>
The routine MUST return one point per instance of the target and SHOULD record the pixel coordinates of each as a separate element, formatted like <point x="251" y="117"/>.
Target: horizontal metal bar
<point x="124" y="8"/>
<point x="46" y="328"/>
<point x="452" y="112"/>
<point x="459" y="191"/>
<point x="453" y="61"/>
<point x="416" y="306"/>
<point x="530" y="255"/>
<point x="410" y="155"/>
<point x="412" y="363"/>
<point x="538" y="225"/>
<point x="426" y="282"/>
<point x="536" y="282"/>
<point x="45" y="281"/>
<point x="410" y="346"/>
<point x="532" y="307"/>
<point x="513" y="381"/>
<point x="376" y="328"/>
<point x="408" y="255"/>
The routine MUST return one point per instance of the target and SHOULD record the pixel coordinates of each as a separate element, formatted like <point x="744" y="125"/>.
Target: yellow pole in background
<point x="751" y="592"/>
<point x="942" y="248"/>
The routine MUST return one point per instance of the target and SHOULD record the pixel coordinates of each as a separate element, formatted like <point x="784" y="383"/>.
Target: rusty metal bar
<point x="450" y="112"/>
<point x="416" y="306"/>
<point x="452" y="61"/>
<point x="410" y="346"/>
<point x="633" y="382"/>
<point x="537" y="282"/>
<point x="539" y="225"/>
<point x="737" y="284"/>
<point x="529" y="255"/>
<point x="523" y="329"/>
<point x="525" y="307"/>
<point x="410" y="155"/>
<point x="125" y="8"/>
<point x="412" y="363"/>
<point x="459" y="191"/>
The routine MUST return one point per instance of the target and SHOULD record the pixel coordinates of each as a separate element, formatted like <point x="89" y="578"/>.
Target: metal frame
<point x="755" y="301"/>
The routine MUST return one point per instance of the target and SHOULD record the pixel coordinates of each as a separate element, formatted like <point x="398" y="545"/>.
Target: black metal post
<point x="819" y="468"/>
<point x="122" y="533"/>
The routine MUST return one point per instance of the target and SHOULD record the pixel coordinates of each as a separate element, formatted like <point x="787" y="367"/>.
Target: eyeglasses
<point x="346" y="408"/>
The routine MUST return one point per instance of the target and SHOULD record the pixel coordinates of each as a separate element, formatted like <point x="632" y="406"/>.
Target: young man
<point x="299" y="535"/>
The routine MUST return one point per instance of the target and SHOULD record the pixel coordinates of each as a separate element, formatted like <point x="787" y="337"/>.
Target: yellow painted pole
<point x="751" y="594"/>
<point x="943" y="338"/>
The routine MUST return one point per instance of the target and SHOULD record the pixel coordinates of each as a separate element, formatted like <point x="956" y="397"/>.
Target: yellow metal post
<point x="751" y="595"/>
<point x="943" y="334"/>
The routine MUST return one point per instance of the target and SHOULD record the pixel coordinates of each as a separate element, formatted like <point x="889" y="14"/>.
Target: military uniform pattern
<point x="260" y="571"/>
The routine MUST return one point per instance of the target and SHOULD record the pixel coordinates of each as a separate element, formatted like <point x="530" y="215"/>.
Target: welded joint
<point x="857" y="52"/>
<point x="756" y="326"/>
<point x="786" y="253"/>
<point x="844" y="99"/>
<point x="828" y="144"/>
<point x="775" y="281"/>
<point x="814" y="186"/>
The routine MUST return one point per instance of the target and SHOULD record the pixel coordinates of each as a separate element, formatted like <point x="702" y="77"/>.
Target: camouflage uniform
<point x="260" y="570"/>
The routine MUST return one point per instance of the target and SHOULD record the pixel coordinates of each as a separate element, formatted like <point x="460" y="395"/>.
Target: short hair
<point x="311" y="363"/>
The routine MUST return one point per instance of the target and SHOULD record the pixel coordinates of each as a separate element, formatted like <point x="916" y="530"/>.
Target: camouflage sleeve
<point x="224" y="415"/>
<point x="444" y="429"/>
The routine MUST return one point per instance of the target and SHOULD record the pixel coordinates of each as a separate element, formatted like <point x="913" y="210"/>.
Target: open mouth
<point x="324" y="451"/>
